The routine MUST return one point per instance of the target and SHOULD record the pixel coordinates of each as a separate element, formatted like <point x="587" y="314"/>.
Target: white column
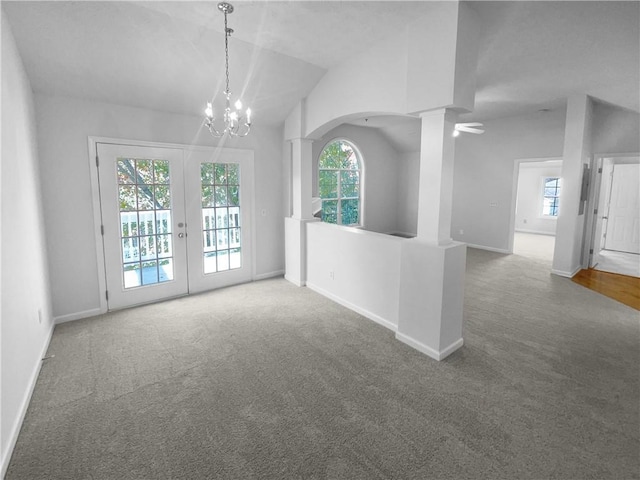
<point x="435" y="197"/>
<point x="432" y="266"/>
<point x="301" y="177"/>
<point x="296" y="225"/>
<point x="577" y="152"/>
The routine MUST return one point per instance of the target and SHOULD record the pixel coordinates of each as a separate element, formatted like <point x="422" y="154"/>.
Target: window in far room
<point x="551" y="196"/>
<point x="340" y="183"/>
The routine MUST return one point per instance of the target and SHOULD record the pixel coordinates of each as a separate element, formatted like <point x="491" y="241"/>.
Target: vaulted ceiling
<point x="170" y="55"/>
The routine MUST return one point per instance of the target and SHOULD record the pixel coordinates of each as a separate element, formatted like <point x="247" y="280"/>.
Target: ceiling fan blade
<point x="477" y="131"/>
<point x="470" y="124"/>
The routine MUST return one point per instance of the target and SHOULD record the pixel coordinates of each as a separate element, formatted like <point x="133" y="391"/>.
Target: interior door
<point x="623" y="221"/>
<point x="219" y="217"/>
<point x="143" y="217"/>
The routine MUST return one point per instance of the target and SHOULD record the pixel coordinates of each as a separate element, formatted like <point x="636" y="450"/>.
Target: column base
<point x="295" y="253"/>
<point x="432" y="297"/>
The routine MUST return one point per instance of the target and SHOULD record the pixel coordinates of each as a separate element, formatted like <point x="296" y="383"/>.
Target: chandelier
<point x="236" y="122"/>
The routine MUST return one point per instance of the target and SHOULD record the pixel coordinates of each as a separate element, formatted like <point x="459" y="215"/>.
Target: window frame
<point x="558" y="190"/>
<point x="339" y="198"/>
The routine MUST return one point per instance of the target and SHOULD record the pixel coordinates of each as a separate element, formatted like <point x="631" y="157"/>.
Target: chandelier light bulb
<point x="238" y="105"/>
<point x="248" y="116"/>
<point x="209" y="110"/>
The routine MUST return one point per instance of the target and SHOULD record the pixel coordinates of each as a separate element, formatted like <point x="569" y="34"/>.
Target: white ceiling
<point x="169" y="55"/>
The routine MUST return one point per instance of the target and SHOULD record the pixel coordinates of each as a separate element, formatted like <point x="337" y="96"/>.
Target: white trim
<point x="490" y="249"/>
<point x="78" y="315"/>
<point x="264" y="276"/>
<point x="421" y="347"/>
<point x="536" y="232"/>
<point x="562" y="273"/>
<point x="15" y="430"/>
<point x="345" y="303"/>
<point x="253" y="213"/>
<point x="97" y="223"/>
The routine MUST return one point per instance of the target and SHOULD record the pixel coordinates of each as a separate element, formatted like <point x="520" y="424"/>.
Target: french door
<point x="174" y="221"/>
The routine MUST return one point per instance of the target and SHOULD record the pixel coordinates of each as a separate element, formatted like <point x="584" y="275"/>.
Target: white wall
<point x="615" y="130"/>
<point x="356" y="268"/>
<point x="529" y="216"/>
<point x="483" y="173"/>
<point x="26" y="321"/>
<point x="408" y="184"/>
<point x="374" y="81"/>
<point x="63" y="127"/>
<point x="381" y="166"/>
<point x="405" y="72"/>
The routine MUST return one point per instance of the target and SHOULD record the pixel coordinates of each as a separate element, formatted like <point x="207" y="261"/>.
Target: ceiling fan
<point x="472" y="127"/>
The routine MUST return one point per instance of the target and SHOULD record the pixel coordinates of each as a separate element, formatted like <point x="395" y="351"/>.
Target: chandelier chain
<point x="226" y="50"/>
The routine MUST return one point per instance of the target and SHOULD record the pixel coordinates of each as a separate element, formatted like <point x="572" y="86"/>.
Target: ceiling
<point x="169" y="56"/>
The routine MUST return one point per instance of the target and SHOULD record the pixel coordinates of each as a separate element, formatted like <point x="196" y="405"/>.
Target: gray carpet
<point x="267" y="380"/>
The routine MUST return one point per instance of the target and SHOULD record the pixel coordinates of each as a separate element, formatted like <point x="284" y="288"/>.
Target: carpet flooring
<point x="270" y="381"/>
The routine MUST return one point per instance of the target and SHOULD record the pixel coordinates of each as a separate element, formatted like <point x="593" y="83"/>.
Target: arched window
<point x="339" y="183"/>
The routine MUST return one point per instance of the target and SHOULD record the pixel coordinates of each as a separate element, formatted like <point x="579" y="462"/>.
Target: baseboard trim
<point x="490" y="249"/>
<point x="264" y="276"/>
<point x="563" y="273"/>
<point x="15" y="431"/>
<point x="77" y="316"/>
<point x="351" y="306"/>
<point x="421" y="347"/>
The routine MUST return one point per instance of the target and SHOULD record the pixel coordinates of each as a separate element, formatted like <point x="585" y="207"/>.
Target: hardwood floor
<point x="622" y="288"/>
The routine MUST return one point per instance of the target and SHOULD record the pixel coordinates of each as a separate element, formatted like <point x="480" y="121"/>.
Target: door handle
<point x="181" y="235"/>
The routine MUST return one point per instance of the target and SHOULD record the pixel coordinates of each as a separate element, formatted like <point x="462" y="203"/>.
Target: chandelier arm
<point x="212" y="130"/>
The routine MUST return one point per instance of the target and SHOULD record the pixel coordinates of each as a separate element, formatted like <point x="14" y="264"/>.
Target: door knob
<point x="181" y="235"/>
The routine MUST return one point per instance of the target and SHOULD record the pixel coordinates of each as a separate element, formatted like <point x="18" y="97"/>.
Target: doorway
<point x="173" y="220"/>
<point x="615" y="238"/>
<point x="537" y="189"/>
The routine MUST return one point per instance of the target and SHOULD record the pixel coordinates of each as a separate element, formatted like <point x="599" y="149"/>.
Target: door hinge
<point x="600" y="170"/>
<point x="595" y="211"/>
<point x="106" y="294"/>
<point x="97" y="161"/>
<point x="591" y="251"/>
<point x="102" y="229"/>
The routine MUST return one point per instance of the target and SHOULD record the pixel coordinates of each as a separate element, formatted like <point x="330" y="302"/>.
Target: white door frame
<point x="92" y="142"/>
<point x="592" y="204"/>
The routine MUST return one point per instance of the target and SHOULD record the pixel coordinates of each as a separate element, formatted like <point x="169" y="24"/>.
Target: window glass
<point x="339" y="183"/>
<point x="551" y="196"/>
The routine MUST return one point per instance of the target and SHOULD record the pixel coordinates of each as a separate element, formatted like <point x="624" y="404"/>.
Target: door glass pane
<point x="145" y="221"/>
<point x="221" y="238"/>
